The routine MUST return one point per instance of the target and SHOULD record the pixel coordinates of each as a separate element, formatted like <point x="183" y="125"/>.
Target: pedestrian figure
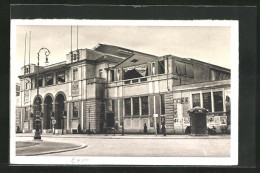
<point x="145" y="128"/>
<point x="79" y="128"/>
<point x="164" y="129"/>
<point x="158" y="128"/>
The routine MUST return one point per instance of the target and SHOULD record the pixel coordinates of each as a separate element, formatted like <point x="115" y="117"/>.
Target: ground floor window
<point x="207" y="101"/>
<point x="211" y="104"/>
<point x="136" y="106"/>
<point x="218" y="101"/>
<point x="144" y="102"/>
<point x="196" y="100"/>
<point x="127" y="107"/>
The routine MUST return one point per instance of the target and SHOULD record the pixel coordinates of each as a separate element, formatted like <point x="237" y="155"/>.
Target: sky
<point x="210" y="44"/>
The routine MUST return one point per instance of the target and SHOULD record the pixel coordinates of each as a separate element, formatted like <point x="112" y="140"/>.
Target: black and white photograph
<point x="124" y="92"/>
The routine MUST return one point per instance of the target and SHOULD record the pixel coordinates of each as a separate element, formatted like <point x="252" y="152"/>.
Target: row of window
<point x="17" y="90"/>
<point x="132" y="105"/>
<point x="49" y="80"/>
<point x="139" y="106"/>
<point x="207" y="101"/>
<point x="135" y="73"/>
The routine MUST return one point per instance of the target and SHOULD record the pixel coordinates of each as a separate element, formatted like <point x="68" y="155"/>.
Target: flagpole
<point x="25" y="52"/>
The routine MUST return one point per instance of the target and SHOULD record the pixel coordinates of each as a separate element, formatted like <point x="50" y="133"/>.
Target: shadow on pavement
<point x="32" y="148"/>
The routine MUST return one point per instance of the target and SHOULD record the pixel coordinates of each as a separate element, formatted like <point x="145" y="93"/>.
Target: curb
<point x="135" y="137"/>
<point x="57" y="151"/>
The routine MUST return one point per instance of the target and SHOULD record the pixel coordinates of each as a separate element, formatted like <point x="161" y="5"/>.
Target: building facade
<point x="114" y="87"/>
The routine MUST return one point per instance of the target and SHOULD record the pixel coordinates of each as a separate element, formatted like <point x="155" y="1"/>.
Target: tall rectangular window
<point x="196" y="100"/>
<point x="26" y="114"/>
<point x="127" y="107"/>
<point x="75" y="74"/>
<point x="118" y="74"/>
<point x="144" y="102"/>
<point x="113" y="105"/>
<point x="112" y="75"/>
<point x="39" y="83"/>
<point x="153" y="68"/>
<point x="74" y="57"/>
<point x="100" y="73"/>
<point x="163" y="104"/>
<point x="49" y="79"/>
<point x="207" y="101"/>
<point x="75" y="109"/>
<point x="161" y="68"/>
<point x="17" y="90"/>
<point x="27" y="85"/>
<point x="218" y="101"/>
<point x="60" y="77"/>
<point x="136" y="106"/>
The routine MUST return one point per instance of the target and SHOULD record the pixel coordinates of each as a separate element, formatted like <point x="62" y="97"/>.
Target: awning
<point x="139" y="68"/>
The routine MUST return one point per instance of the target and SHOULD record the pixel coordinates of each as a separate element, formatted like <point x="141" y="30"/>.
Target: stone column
<point x="56" y="114"/>
<point x="224" y="101"/>
<point x="30" y="119"/>
<point x="212" y="101"/>
<point x="68" y="115"/>
<point x="54" y="78"/>
<point x="64" y="124"/>
<point x="82" y="114"/>
<point x="44" y="118"/>
<point x="65" y="117"/>
<point x="31" y="123"/>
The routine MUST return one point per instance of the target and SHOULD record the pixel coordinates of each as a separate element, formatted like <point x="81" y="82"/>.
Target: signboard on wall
<point x="75" y="88"/>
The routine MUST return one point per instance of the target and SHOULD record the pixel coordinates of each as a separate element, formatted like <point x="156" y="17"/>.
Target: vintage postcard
<point x="124" y="92"/>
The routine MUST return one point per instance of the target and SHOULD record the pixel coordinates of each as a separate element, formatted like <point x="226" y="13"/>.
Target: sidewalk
<point x="126" y="136"/>
<point x="33" y="148"/>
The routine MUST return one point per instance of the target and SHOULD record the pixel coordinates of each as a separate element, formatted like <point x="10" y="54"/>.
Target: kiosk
<point x="198" y="121"/>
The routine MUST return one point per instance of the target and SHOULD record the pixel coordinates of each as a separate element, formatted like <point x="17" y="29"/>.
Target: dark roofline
<point x="44" y="70"/>
<point x="127" y="49"/>
<point x="201" y="62"/>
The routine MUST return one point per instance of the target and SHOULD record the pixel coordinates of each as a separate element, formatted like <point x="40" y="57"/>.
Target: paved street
<point x="135" y="145"/>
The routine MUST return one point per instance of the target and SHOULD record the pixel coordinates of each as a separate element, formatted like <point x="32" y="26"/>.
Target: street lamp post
<point x="37" y="135"/>
<point x="89" y="121"/>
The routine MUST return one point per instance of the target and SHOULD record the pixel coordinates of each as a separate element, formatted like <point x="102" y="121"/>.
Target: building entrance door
<point x="110" y="120"/>
<point x="47" y="112"/>
<point x="59" y="111"/>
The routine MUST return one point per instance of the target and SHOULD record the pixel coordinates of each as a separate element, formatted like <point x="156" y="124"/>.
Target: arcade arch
<point x="48" y="111"/>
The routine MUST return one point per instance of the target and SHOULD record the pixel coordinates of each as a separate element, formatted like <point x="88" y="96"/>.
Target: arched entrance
<point x="60" y="109"/>
<point x="47" y="112"/>
<point x="35" y="107"/>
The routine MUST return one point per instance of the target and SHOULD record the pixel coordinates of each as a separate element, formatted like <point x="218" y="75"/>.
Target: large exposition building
<point x="110" y="86"/>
